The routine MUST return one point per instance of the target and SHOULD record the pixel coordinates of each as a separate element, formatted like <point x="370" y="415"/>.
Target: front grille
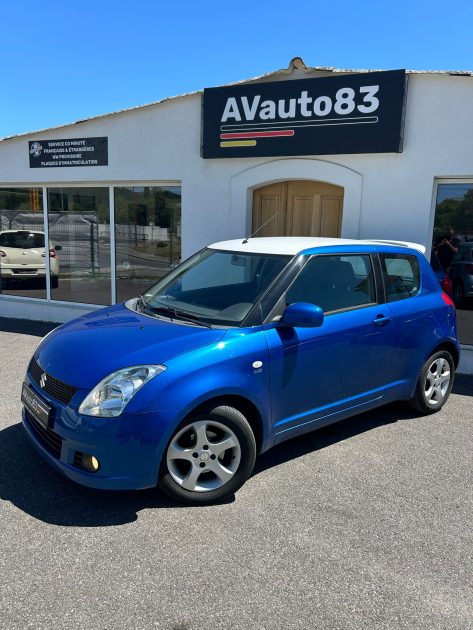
<point x="51" y="441"/>
<point x="53" y="386"/>
<point x="77" y="459"/>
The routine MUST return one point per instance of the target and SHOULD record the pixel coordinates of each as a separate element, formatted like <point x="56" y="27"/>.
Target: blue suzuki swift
<point x="242" y="346"/>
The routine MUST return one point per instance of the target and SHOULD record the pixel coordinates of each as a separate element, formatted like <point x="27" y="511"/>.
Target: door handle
<point x="381" y="320"/>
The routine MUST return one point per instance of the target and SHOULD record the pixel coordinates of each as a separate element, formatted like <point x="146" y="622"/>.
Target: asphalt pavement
<point x="365" y="524"/>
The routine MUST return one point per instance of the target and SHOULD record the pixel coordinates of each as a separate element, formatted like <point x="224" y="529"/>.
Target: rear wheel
<point x="435" y="383"/>
<point x="209" y="457"/>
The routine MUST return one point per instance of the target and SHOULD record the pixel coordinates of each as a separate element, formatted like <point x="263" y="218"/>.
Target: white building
<point x="166" y="200"/>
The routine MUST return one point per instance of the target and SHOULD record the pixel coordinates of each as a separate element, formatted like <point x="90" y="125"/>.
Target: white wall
<point x="161" y="143"/>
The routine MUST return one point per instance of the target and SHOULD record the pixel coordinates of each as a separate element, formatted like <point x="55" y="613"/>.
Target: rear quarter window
<point x="401" y="274"/>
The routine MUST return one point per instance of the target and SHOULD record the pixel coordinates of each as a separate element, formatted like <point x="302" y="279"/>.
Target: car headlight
<point x="110" y="397"/>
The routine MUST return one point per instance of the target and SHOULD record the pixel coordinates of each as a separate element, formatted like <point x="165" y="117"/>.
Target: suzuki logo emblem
<point x="42" y="380"/>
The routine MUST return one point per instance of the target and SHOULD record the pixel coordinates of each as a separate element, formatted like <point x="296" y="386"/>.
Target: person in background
<point x="447" y="248"/>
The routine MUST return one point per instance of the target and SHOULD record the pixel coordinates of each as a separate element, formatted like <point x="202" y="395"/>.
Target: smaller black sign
<point x="69" y="152"/>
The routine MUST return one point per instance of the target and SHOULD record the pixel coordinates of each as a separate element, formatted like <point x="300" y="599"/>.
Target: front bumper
<point x="129" y="448"/>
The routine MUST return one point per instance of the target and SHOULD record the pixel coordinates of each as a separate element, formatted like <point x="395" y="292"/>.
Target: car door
<point x="319" y="375"/>
<point x="413" y="301"/>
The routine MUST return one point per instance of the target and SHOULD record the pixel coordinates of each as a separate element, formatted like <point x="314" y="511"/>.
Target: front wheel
<point x="209" y="457"/>
<point x="435" y="383"/>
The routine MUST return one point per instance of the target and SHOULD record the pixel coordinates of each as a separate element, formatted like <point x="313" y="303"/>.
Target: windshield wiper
<point x="142" y="306"/>
<point x="177" y="314"/>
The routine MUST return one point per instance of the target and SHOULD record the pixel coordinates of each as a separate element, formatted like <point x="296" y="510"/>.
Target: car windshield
<point x="214" y="287"/>
<point x="21" y="239"/>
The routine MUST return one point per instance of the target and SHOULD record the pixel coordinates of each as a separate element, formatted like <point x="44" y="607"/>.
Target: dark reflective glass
<point x="79" y="241"/>
<point x="453" y="235"/>
<point x="147" y="236"/>
<point x="454" y="209"/>
<point x="22" y="253"/>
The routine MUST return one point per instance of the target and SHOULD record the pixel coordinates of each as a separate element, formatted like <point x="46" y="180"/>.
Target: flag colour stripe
<point x="238" y="143"/>
<point x="257" y="134"/>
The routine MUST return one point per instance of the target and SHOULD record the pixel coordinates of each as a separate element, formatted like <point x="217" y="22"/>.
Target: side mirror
<point x="58" y="248"/>
<point x="303" y="315"/>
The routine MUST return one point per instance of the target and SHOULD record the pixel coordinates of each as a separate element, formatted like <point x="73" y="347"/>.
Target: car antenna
<point x="245" y="240"/>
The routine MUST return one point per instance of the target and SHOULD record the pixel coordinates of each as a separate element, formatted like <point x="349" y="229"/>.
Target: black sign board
<point x="69" y="152"/>
<point x="351" y="113"/>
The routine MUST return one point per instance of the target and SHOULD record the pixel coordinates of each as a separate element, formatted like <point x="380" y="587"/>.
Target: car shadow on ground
<point x="34" y="487"/>
<point x="26" y="326"/>
<point x="37" y="489"/>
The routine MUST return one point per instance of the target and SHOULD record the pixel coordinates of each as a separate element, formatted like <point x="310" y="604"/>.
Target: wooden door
<point x="298" y="208"/>
<point x="268" y="202"/>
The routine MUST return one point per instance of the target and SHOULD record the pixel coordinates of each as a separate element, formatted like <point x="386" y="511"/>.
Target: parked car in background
<point x="461" y="273"/>
<point x="442" y="276"/>
<point x="242" y="346"/>
<point x="22" y="256"/>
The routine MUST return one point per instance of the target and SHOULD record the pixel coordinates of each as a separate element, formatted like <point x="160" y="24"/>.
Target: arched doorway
<point x="299" y="208"/>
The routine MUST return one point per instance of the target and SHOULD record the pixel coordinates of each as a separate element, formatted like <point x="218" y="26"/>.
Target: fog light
<point x="94" y="462"/>
<point x="86" y="462"/>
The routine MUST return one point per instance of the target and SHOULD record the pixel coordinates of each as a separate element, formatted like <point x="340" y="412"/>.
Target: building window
<point x="147" y="236"/>
<point x="454" y="208"/>
<point x="147" y="232"/>
<point x="452" y="243"/>
<point x="22" y="246"/>
<point x="79" y="227"/>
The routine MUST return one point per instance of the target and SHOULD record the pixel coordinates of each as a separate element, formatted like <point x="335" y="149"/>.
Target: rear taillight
<point x="447" y="286"/>
<point x="52" y="253"/>
<point x="447" y="299"/>
<point x="2" y="253"/>
<point x="469" y="268"/>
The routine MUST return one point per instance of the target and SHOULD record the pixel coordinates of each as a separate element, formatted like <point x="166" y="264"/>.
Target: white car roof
<point x="290" y="245"/>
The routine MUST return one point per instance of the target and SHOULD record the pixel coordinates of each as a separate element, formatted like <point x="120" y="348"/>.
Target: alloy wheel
<point x="203" y="456"/>
<point x="437" y="381"/>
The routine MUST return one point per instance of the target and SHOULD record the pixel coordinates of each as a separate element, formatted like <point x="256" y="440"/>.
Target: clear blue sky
<point x="65" y="60"/>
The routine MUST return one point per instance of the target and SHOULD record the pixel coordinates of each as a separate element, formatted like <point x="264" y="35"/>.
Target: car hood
<point x="85" y="350"/>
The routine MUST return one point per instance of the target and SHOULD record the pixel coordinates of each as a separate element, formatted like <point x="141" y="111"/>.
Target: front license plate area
<point x="37" y="407"/>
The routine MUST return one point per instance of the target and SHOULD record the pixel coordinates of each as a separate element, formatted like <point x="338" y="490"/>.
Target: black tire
<point x="458" y="293"/>
<point x="225" y="419"/>
<point x="54" y="282"/>
<point x="425" y="399"/>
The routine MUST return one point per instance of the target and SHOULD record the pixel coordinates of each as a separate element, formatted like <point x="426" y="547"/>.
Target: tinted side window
<point x="401" y="276"/>
<point x="334" y="283"/>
